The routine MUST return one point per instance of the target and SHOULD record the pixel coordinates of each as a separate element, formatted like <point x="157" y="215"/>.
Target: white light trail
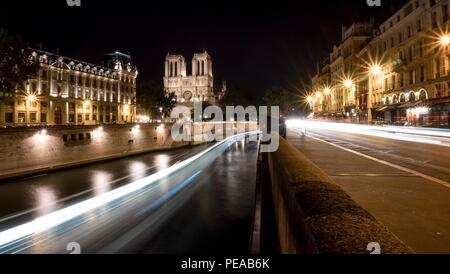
<point x="418" y="135"/>
<point x="61" y="216"/>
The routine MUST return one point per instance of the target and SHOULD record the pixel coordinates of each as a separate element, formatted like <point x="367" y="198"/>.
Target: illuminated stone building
<point x="402" y="73"/>
<point x="198" y="86"/>
<point x="72" y="92"/>
<point x="334" y="86"/>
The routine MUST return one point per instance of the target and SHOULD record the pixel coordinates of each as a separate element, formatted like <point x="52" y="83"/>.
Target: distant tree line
<point x="16" y="63"/>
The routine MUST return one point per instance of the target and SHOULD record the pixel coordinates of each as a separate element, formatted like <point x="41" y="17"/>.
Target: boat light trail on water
<point x="59" y="217"/>
<point x="425" y="136"/>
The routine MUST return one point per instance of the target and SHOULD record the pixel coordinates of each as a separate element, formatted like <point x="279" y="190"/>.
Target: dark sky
<point x="254" y="44"/>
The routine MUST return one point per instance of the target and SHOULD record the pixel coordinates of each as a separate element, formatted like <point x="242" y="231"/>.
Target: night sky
<point x="254" y="45"/>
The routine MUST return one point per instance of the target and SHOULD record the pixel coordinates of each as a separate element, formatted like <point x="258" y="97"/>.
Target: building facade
<point x="198" y="86"/>
<point x="73" y="92"/>
<point x="403" y="75"/>
<point x="335" y="89"/>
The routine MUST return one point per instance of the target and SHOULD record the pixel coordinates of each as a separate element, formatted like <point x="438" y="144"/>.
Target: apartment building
<point x="403" y="71"/>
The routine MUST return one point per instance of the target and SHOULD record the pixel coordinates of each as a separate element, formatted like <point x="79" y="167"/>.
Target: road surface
<point x="403" y="179"/>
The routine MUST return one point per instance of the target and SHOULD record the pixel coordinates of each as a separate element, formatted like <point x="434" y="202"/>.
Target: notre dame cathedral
<point x="198" y="86"/>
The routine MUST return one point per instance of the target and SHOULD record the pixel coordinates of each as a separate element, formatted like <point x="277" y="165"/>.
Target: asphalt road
<point x="203" y="207"/>
<point x="404" y="184"/>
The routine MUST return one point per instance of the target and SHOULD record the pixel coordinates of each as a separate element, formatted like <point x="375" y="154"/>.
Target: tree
<point x="237" y="97"/>
<point x="283" y="98"/>
<point x="16" y="63"/>
<point x="153" y="100"/>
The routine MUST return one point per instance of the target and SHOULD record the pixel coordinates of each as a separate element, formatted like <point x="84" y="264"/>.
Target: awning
<point x="382" y="109"/>
<point x="409" y="105"/>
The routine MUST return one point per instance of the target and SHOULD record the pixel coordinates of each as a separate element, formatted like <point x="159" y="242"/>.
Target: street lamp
<point x="327" y="91"/>
<point x="348" y="83"/>
<point x="31" y="98"/>
<point x="375" y="70"/>
<point x="445" y="40"/>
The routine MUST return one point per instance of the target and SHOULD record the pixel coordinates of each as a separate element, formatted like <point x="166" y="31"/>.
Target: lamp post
<point x="349" y="85"/>
<point x="310" y="100"/>
<point x="444" y="40"/>
<point x="374" y="71"/>
<point x="327" y="94"/>
<point x="30" y="99"/>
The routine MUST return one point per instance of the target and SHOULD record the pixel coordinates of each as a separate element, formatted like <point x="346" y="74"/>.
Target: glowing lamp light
<point x="31" y="98"/>
<point x="318" y="95"/>
<point x="87" y="103"/>
<point x="348" y="83"/>
<point x="445" y="40"/>
<point x="41" y="136"/>
<point x="327" y="91"/>
<point x="375" y="70"/>
<point x="309" y="99"/>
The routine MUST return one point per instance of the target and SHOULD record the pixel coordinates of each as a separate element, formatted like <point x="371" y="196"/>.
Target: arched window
<point x="423" y="95"/>
<point x="395" y="99"/>
<point x="387" y="101"/>
<point x="412" y="97"/>
<point x="402" y="98"/>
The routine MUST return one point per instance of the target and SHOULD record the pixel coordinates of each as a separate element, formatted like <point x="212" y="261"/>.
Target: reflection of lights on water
<point x="53" y="219"/>
<point x="98" y="132"/>
<point x="137" y="167"/>
<point x="45" y="199"/>
<point x="101" y="182"/>
<point x="137" y="170"/>
<point x="162" y="161"/>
